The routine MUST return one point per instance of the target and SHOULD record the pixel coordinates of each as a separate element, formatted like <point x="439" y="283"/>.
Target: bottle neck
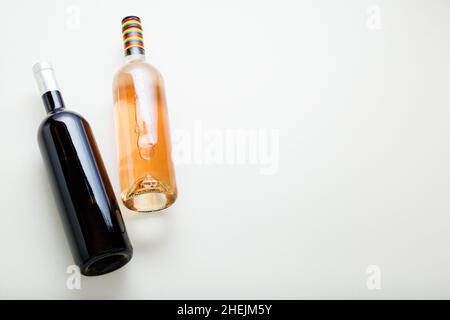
<point x="134" y="57"/>
<point x="133" y="41"/>
<point x="53" y="101"/>
<point x="48" y="87"/>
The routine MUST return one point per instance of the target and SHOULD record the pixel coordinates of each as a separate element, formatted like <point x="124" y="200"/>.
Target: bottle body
<point x="147" y="176"/>
<point x="83" y="192"/>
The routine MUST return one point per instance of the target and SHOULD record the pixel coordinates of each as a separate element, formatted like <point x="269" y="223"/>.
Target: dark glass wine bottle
<point x="86" y="201"/>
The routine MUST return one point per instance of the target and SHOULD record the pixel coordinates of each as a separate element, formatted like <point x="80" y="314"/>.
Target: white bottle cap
<point x="45" y="77"/>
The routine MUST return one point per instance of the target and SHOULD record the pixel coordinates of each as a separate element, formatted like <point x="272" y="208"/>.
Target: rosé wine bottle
<point x="147" y="176"/>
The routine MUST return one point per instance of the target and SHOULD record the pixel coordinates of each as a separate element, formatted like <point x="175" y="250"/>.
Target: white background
<point x="364" y="154"/>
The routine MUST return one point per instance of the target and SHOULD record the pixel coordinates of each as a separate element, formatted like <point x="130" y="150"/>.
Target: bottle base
<point x="149" y="202"/>
<point x="149" y="194"/>
<point x="105" y="263"/>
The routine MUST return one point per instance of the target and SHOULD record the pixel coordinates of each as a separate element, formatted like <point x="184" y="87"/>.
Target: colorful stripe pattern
<point x="132" y="35"/>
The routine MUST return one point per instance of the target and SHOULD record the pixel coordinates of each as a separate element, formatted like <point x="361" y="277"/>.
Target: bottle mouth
<point x="42" y="65"/>
<point x="45" y="77"/>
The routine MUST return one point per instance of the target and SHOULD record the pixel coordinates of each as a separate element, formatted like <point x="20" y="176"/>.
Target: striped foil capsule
<point x="133" y="42"/>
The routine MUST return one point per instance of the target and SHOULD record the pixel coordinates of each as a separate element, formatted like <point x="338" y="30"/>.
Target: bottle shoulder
<point x="136" y="69"/>
<point x="59" y="117"/>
